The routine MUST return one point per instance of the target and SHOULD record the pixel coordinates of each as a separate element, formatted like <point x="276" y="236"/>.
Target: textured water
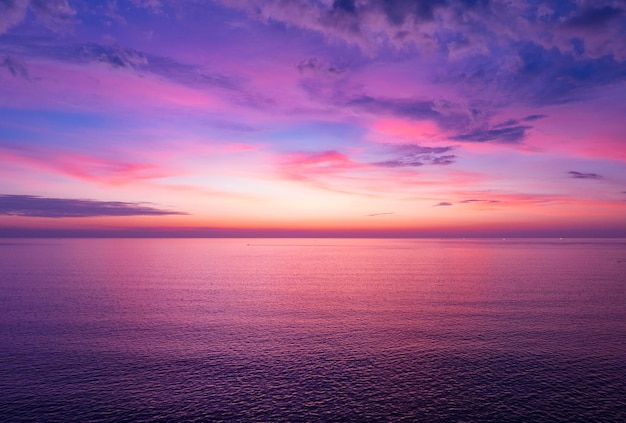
<point x="312" y="330"/>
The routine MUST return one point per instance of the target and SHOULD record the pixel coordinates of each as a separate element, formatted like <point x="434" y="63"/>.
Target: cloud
<point x="86" y="167"/>
<point x="233" y="88"/>
<point x="411" y="155"/>
<point x="153" y="5"/>
<point x="507" y="134"/>
<point x="216" y="85"/>
<point x="414" y="109"/>
<point x="503" y="51"/>
<point x="54" y="14"/>
<point x="344" y="5"/>
<point x="313" y="64"/>
<point x="120" y="57"/>
<point x="117" y="57"/>
<point x="581" y="175"/>
<point x="532" y="118"/>
<point x="478" y="201"/>
<point x="470" y="201"/>
<point x="379" y="214"/>
<point x="443" y="160"/>
<point x="15" y="67"/>
<point x="305" y="165"/>
<point x="308" y="64"/>
<point x="448" y="115"/>
<point x="595" y="18"/>
<point x="36" y="206"/>
<point x="12" y="12"/>
<point x="451" y="27"/>
<point x="594" y="31"/>
<point x="370" y="24"/>
<point x="319" y="159"/>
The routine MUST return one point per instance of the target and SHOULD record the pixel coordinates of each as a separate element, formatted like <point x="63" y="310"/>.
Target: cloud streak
<point x="14" y="67"/>
<point x="36" y="206"/>
<point x="478" y="201"/>
<point x="582" y="175"/>
<point x="410" y="155"/>
<point x="54" y="14"/>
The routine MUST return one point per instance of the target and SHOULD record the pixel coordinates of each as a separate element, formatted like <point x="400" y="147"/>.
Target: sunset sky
<point x="313" y="117"/>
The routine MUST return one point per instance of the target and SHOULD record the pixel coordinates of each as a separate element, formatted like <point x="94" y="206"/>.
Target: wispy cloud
<point x="14" y="66"/>
<point x="54" y="14"/>
<point x="478" y="201"/>
<point x="581" y="175"/>
<point x="379" y="214"/>
<point x="507" y="134"/>
<point x="324" y="160"/>
<point x="531" y="118"/>
<point x="442" y="204"/>
<point x="412" y="155"/>
<point x="86" y="167"/>
<point x="116" y="56"/>
<point x="36" y="206"/>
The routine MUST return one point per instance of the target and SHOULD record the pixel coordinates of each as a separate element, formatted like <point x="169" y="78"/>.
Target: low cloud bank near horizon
<point x="36" y="206"/>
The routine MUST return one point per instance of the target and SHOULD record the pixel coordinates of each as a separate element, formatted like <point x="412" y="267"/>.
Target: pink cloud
<point x="329" y="160"/>
<point x="85" y="167"/>
<point x="402" y="131"/>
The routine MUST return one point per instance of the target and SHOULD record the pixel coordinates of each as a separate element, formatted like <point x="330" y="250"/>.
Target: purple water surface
<point x="312" y="330"/>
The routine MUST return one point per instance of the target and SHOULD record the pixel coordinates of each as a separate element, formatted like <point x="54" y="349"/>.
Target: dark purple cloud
<point x="313" y="64"/>
<point x="507" y="134"/>
<point x="465" y="123"/>
<point x="592" y="17"/>
<point x="310" y="63"/>
<point x="117" y="57"/>
<point x="14" y="67"/>
<point x="581" y="175"/>
<point x="443" y="160"/>
<point x="36" y="206"/>
<point x="447" y="25"/>
<point x="532" y="52"/>
<point x="532" y="118"/>
<point x="449" y="116"/>
<point x="413" y="109"/>
<point x="344" y="5"/>
<point x="443" y="203"/>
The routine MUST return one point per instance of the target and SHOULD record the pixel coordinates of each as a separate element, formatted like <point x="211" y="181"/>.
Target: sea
<point x="312" y="330"/>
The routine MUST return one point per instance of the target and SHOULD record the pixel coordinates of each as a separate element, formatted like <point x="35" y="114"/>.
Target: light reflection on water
<point x="303" y="329"/>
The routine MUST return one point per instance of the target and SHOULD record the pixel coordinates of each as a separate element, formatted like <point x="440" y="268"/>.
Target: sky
<point x="446" y="118"/>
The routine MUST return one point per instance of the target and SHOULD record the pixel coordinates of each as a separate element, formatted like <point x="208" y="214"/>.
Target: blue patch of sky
<point x="316" y="136"/>
<point x="53" y="127"/>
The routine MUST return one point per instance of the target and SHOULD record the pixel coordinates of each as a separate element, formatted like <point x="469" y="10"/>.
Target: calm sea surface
<point x="312" y="330"/>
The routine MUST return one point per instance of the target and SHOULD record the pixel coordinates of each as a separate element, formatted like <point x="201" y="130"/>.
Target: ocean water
<point x="98" y="330"/>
